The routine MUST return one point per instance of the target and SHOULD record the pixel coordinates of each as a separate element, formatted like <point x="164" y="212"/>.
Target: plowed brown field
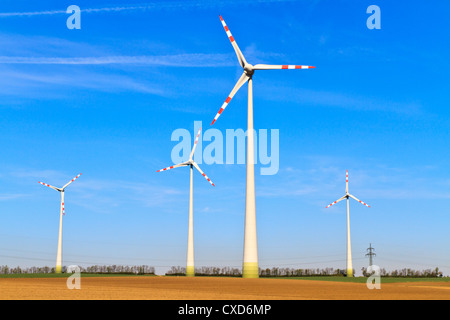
<point x="210" y="288"/>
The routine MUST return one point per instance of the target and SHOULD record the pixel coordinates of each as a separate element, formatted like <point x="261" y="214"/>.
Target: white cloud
<point x="179" y="60"/>
<point x="11" y="196"/>
<point x="337" y="99"/>
<point x="148" y="6"/>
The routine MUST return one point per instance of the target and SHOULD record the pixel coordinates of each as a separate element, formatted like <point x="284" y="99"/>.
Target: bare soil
<point x="211" y="288"/>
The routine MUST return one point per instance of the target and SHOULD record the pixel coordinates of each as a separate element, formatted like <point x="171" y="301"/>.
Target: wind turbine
<point x="349" y="249"/>
<point x="250" y="267"/>
<point x="61" y="214"/>
<point x="190" y="271"/>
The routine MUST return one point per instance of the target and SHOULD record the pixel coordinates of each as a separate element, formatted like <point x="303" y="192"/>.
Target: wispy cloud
<point x="32" y="82"/>
<point x="104" y="196"/>
<point x="373" y="180"/>
<point x="31" y="13"/>
<point x="35" y="63"/>
<point x="38" y="175"/>
<point x="11" y="196"/>
<point x="25" y="73"/>
<point x="178" y="60"/>
<point x="148" y="6"/>
<point x="338" y="99"/>
<point x="95" y="194"/>
<point x="87" y="10"/>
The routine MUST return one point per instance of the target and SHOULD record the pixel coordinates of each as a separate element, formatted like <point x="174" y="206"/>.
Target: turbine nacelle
<point x="248" y="69"/>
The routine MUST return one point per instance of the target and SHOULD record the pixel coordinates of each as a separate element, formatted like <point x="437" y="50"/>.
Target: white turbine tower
<point x="190" y="271"/>
<point x="250" y="267"/>
<point x="349" y="249"/>
<point x="61" y="214"/>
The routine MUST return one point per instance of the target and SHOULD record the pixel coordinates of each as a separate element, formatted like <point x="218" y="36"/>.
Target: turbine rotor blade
<point x="195" y="144"/>
<point x="237" y="86"/>
<point x="359" y="201"/>
<point x="200" y="170"/>
<point x="172" y="167"/>
<point x="346" y="182"/>
<point x="279" y="67"/>
<point x="71" y="181"/>
<point x="239" y="54"/>
<point x="340" y="199"/>
<point x="47" y="185"/>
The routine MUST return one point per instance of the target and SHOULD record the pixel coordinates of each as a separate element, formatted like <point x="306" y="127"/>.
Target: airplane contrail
<point x="148" y="6"/>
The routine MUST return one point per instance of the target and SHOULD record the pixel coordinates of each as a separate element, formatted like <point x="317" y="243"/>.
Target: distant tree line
<point x="406" y="272"/>
<point x="293" y="272"/>
<point x="143" y="269"/>
<point x="229" y="271"/>
<point x="18" y="270"/>
<point x="206" y="271"/>
<point x="268" y="272"/>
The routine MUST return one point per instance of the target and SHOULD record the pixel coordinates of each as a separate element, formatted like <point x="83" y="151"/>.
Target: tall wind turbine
<point x="190" y="271"/>
<point x="349" y="249"/>
<point x="250" y="267"/>
<point x="61" y="214"/>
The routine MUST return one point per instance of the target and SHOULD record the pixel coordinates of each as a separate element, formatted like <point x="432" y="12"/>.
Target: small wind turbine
<point x="349" y="249"/>
<point x="250" y="267"/>
<point x="190" y="271"/>
<point x="61" y="214"/>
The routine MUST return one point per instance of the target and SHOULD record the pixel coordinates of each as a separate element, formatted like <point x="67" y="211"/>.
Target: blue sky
<point x="105" y="99"/>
